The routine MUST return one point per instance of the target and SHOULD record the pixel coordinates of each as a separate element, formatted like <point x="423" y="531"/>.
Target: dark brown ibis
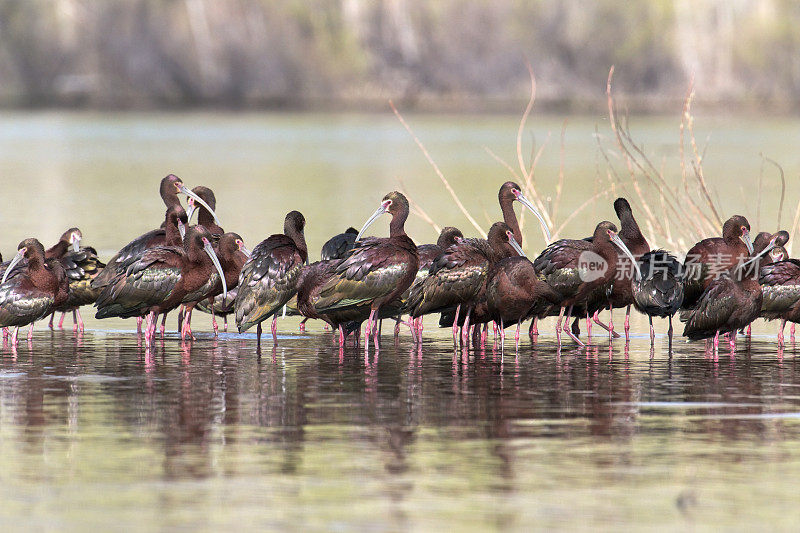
<point x="514" y="291"/>
<point x="269" y="277"/>
<point x="577" y="268"/>
<point x="205" y="211"/>
<point x="376" y="271"/>
<point x="620" y="293"/>
<point x="160" y="279"/>
<point x="313" y="278"/>
<point x="726" y="305"/>
<point x="427" y="253"/>
<point x="81" y="266"/>
<point x="232" y="255"/>
<point x="658" y="288"/>
<point x="32" y="290"/>
<point x="169" y="189"/>
<point x="712" y="257"/>
<point x="337" y="246"/>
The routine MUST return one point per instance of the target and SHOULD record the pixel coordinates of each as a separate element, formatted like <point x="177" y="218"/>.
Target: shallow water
<point x="95" y="432"/>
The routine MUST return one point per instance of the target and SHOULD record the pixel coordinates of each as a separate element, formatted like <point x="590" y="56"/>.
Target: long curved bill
<point x="515" y="245"/>
<point x="527" y="203"/>
<point x="378" y="212"/>
<point x="76" y="243"/>
<point x="192" y="209"/>
<point x="621" y="245"/>
<point x="747" y="242"/>
<point x="210" y="251"/>
<point x="14" y="262"/>
<point x="182" y="229"/>
<point x="245" y="251"/>
<point x="772" y="244"/>
<point x="200" y="201"/>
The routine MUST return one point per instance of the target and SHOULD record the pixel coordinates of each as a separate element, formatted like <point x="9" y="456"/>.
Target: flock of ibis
<point x="724" y="284"/>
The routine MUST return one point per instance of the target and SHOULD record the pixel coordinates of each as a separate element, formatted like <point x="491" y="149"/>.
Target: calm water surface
<point x="95" y="433"/>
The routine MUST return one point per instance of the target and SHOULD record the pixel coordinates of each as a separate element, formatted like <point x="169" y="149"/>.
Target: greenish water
<point x="94" y="434"/>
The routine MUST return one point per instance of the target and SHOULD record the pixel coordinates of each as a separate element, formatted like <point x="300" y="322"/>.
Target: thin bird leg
<point x="716" y="341"/>
<point x="611" y="335"/>
<point x="377" y="330"/>
<point x="163" y="325"/>
<point x="214" y="320"/>
<point x="465" y="329"/>
<point x="275" y="329"/>
<point x="596" y="319"/>
<point x="780" y="332"/>
<point x="558" y="325"/>
<point x="588" y="326"/>
<point x="455" y="326"/>
<point x="52" y="317"/>
<point x="670" y="333"/>
<point x="61" y="321"/>
<point x="791" y="332"/>
<point x="502" y="333"/>
<point x="534" y="329"/>
<point x="30" y="331"/>
<point x="341" y="335"/>
<point x="628" y="324"/>
<point x="139" y="325"/>
<point x="568" y="330"/>
<point x="258" y="337"/>
<point x="652" y="331"/>
<point x="80" y="320"/>
<point x="516" y="336"/>
<point x="225" y="323"/>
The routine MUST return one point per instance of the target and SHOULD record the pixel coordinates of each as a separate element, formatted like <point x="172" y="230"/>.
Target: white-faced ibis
<point x="577" y="268"/>
<point x="427" y="254"/>
<point x="726" y="305"/>
<point x="771" y="240"/>
<point x="620" y="293"/>
<point x="160" y="279"/>
<point x="337" y="246"/>
<point x="376" y="271"/>
<point x="459" y="274"/>
<point x="658" y="288"/>
<point x="169" y="189"/>
<point x="269" y="276"/>
<point x="81" y="265"/>
<point x="710" y="258"/>
<point x="313" y="278"/>
<point x="514" y="292"/>
<point x="205" y="217"/>
<point x="780" y="285"/>
<point x="232" y="255"/>
<point x="33" y="290"/>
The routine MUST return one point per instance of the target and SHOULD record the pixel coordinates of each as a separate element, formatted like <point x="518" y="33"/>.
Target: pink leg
<point x="534" y="329"/>
<point x="14" y="337"/>
<point x="568" y="329"/>
<point x="30" y="331"/>
<point x="780" y="332"/>
<point x="732" y="341"/>
<point x="80" y="320"/>
<point x="588" y="326"/>
<point x="465" y="329"/>
<point x="502" y="334"/>
<point x="455" y="326"/>
<point x="611" y="323"/>
<point x="749" y="330"/>
<point x="214" y="322"/>
<point x="52" y="317"/>
<point x="275" y="329"/>
<point x="610" y="328"/>
<point x="376" y="331"/>
<point x="225" y="323"/>
<point x="138" y="324"/>
<point x="163" y="325"/>
<point x="558" y="325"/>
<point x="484" y="334"/>
<point x="652" y="332"/>
<point x="716" y="341"/>
<point x="791" y="331"/>
<point x="303" y="326"/>
<point x="397" y="329"/>
<point x="61" y="321"/>
<point x="516" y="336"/>
<point x="341" y="335"/>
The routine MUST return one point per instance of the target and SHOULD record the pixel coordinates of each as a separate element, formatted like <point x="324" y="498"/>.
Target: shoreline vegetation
<point x="355" y="55"/>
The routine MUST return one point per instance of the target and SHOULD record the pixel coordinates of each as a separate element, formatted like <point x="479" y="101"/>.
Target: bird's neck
<point x="510" y="218"/>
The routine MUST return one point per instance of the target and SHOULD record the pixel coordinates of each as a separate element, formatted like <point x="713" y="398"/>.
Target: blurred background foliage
<point x="439" y="54"/>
